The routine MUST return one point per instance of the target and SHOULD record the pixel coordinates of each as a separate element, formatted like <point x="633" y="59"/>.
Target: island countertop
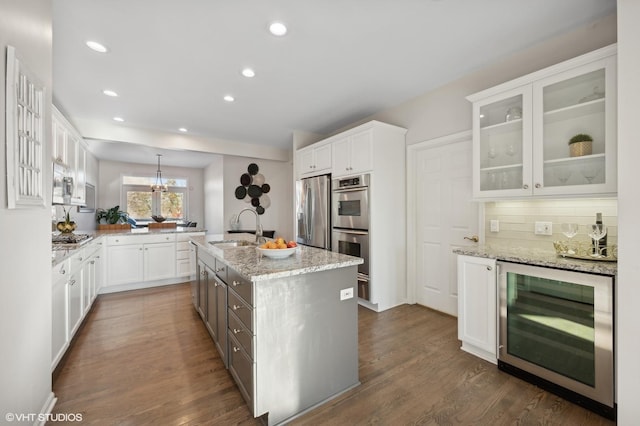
<point x="540" y="257"/>
<point x="247" y="261"/>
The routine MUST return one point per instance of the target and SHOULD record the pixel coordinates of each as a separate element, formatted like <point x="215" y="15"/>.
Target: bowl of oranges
<point x="277" y="249"/>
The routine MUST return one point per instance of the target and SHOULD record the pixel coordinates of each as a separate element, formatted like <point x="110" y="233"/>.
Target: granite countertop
<point x="60" y="253"/>
<point x="538" y="257"/>
<point x="251" y="264"/>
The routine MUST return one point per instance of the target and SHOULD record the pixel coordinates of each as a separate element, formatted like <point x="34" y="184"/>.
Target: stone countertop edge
<point x="538" y="257"/>
<point x="249" y="263"/>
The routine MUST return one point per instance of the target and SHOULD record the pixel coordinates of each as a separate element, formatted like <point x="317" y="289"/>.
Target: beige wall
<point x="109" y="191"/>
<point x="25" y="247"/>
<point x="279" y="175"/>
<point x="214" y="196"/>
<point x="445" y="111"/>
<point x="517" y="220"/>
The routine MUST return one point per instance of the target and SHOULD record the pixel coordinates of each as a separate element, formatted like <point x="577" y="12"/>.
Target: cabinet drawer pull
<point x="215" y="284"/>
<point x="93" y="262"/>
<point x="72" y="282"/>
<point x="236" y="349"/>
<point x="236" y="283"/>
<point x="236" y="331"/>
<point x="219" y="269"/>
<point x="489" y="268"/>
<point x="63" y="271"/>
<point x="236" y="307"/>
<point x="538" y="185"/>
<point x="525" y="186"/>
<point x="80" y="259"/>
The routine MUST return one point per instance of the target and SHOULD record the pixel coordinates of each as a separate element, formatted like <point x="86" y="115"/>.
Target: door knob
<point x="473" y="238"/>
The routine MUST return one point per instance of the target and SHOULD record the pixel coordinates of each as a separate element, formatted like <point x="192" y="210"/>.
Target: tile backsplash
<point x="517" y="220"/>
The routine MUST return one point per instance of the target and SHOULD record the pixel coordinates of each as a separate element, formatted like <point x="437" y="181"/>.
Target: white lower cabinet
<point x="59" y="331"/>
<point x="140" y="258"/>
<point x="73" y="292"/>
<point x="186" y="255"/>
<point x="477" y="306"/>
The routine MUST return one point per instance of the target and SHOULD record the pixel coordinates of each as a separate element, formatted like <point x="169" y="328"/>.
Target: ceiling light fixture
<point x="110" y="93"/>
<point x="159" y="186"/>
<point x="248" y="72"/>
<point x="229" y="98"/>
<point x="278" y="29"/>
<point x="183" y="129"/>
<point x="119" y="119"/>
<point x="94" y="45"/>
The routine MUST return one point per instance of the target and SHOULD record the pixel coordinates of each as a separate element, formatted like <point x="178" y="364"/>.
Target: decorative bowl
<point x="159" y="218"/>
<point x="277" y="253"/>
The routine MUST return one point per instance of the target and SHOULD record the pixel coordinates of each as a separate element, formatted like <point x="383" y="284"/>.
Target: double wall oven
<point x="350" y="218"/>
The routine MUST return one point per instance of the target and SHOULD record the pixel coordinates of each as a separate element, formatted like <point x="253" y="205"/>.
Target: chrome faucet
<point x="259" y="237"/>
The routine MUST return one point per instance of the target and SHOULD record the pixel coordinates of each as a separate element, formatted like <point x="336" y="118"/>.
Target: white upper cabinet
<point x="69" y="150"/>
<point x="314" y="160"/>
<point x="353" y="154"/>
<point x="522" y="129"/>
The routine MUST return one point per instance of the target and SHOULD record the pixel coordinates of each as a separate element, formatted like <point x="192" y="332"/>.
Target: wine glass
<point x="569" y="230"/>
<point x="492" y="153"/>
<point x="563" y="174"/>
<point x="597" y="231"/>
<point x="511" y="150"/>
<point x="590" y="171"/>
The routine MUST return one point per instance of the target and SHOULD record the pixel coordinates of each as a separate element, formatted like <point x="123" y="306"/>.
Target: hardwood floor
<point x="145" y="358"/>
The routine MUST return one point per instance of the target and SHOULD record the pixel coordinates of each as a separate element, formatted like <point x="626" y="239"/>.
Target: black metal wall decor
<point x="253" y="189"/>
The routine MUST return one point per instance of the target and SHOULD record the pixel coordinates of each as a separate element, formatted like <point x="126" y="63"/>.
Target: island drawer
<point x="240" y="285"/>
<point x="238" y="307"/>
<point x="241" y="368"/>
<point x="243" y="335"/>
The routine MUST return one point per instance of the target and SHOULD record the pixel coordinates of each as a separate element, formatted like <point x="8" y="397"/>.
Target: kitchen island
<point x="287" y="329"/>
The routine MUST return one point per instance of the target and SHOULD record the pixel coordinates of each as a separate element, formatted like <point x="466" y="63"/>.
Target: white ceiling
<point x="172" y="61"/>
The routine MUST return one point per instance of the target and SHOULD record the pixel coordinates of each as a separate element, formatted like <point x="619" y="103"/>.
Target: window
<point x="141" y="203"/>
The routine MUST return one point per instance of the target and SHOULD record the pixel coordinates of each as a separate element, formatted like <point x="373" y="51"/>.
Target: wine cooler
<point x="556" y="331"/>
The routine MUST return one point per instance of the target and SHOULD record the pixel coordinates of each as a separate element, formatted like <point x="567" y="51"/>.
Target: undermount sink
<point x="232" y="243"/>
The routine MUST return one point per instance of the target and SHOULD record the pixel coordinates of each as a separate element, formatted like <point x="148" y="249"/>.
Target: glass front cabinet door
<point x="549" y="133"/>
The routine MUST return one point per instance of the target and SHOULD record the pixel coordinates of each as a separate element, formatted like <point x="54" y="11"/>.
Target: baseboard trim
<point x="47" y="408"/>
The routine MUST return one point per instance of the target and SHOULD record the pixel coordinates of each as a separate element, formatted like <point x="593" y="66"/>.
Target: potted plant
<point x="580" y="144"/>
<point x="111" y="216"/>
<point x="67" y="226"/>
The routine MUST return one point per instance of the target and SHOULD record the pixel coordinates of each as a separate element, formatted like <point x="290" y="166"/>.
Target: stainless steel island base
<point x="291" y="324"/>
<point x="306" y="342"/>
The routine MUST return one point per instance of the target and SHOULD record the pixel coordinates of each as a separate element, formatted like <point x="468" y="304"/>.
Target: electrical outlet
<point x="346" y="293"/>
<point x="495" y="225"/>
<point x="543" y="228"/>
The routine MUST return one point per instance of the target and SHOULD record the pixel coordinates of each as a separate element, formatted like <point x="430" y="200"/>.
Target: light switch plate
<point x="543" y="228"/>
<point x="495" y="225"/>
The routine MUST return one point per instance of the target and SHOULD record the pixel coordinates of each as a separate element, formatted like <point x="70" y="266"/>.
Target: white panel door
<point x="444" y="215"/>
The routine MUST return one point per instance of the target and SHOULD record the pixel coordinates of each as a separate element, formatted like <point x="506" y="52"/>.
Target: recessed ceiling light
<point x="110" y="93"/>
<point x="94" y="45"/>
<point x="248" y="72"/>
<point x="278" y="29"/>
<point x="119" y="119"/>
<point x="229" y="98"/>
<point x="182" y="129"/>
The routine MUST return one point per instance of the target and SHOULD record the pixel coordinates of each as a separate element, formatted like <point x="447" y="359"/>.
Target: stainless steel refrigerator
<point x="313" y="215"/>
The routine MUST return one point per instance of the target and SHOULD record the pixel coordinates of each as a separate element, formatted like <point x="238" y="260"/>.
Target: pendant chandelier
<point x="159" y="186"/>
